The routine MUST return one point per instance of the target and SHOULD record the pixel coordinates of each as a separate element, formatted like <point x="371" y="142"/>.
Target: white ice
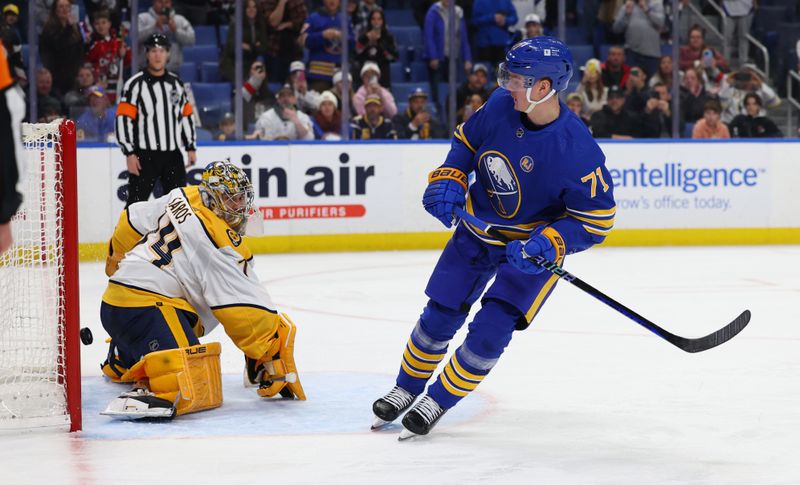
<point x="584" y="396"/>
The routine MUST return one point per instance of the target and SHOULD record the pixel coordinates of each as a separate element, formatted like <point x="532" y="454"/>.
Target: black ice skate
<point x="421" y="418"/>
<point x="390" y="406"/>
<point x="140" y="403"/>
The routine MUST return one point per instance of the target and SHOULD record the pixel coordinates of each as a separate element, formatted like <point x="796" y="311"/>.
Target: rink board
<point x="346" y="196"/>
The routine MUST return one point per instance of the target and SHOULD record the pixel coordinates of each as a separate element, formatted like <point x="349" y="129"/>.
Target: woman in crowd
<point x="378" y="45"/>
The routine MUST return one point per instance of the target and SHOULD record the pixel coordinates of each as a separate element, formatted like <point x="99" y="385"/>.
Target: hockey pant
<point x="512" y="301"/>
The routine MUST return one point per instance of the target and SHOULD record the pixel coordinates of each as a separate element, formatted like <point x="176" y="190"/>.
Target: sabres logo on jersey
<point x="500" y="182"/>
<point x="235" y="238"/>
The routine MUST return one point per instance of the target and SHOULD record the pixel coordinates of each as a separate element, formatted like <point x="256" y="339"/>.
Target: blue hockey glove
<point x="538" y="245"/>
<point x="447" y="189"/>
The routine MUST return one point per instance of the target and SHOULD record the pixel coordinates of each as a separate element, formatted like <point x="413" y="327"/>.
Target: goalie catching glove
<point x="276" y="372"/>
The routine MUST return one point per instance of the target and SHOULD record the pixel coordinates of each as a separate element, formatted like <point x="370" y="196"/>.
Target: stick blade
<point x="694" y="345"/>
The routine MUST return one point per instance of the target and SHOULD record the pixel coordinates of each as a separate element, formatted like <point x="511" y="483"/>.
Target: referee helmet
<point x="157" y="40"/>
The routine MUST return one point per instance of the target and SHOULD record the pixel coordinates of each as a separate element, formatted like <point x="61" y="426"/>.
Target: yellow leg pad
<point x="190" y="375"/>
<point x="109" y="372"/>
<point x="283" y="366"/>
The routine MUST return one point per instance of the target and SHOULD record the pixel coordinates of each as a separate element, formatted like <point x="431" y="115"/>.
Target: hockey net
<point x="39" y="352"/>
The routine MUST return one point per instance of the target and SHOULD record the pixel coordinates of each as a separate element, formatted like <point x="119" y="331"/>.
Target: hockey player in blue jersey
<point x="541" y="178"/>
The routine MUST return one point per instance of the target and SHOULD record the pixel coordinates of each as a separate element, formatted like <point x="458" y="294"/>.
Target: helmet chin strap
<point x="533" y="103"/>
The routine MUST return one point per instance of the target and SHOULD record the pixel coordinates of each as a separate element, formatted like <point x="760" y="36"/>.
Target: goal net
<point x="39" y="353"/>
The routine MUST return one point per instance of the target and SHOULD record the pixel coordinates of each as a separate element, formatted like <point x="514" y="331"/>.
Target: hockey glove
<point x="447" y="188"/>
<point x="518" y="253"/>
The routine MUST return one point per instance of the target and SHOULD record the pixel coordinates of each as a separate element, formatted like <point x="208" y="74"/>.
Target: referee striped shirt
<point x="154" y="113"/>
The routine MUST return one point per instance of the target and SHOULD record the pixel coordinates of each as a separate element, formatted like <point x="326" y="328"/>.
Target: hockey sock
<point x="420" y="359"/>
<point x="462" y="374"/>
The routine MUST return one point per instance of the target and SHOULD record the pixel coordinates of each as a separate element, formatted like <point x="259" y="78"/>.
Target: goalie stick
<point x="691" y="345"/>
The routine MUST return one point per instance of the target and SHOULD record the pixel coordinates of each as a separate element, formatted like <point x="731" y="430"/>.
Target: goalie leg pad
<point x="188" y="376"/>
<point x="280" y="370"/>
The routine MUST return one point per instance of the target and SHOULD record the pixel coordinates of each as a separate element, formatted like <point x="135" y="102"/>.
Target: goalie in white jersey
<point x="178" y="266"/>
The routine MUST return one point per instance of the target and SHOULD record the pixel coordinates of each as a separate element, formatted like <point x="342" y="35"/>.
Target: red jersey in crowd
<point x="104" y="55"/>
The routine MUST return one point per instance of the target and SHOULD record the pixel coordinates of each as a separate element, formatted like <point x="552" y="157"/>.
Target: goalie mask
<point x="228" y="192"/>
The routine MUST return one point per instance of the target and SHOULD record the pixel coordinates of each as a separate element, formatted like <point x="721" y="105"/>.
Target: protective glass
<point x="511" y="81"/>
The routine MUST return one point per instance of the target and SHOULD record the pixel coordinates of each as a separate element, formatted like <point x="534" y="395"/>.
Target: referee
<point x="154" y="118"/>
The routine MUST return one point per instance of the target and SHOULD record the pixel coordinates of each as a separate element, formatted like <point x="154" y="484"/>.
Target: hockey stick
<point x="691" y="345"/>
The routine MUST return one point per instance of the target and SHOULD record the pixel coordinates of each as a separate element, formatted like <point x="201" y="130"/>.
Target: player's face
<point x="157" y="58"/>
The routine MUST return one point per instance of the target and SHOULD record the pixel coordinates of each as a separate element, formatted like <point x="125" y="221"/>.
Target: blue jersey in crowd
<point x="526" y="175"/>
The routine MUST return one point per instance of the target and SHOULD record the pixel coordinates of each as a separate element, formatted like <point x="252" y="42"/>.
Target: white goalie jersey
<point x="176" y="251"/>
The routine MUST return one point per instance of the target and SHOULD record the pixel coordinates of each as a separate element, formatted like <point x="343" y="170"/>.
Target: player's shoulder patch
<point x="234" y="236"/>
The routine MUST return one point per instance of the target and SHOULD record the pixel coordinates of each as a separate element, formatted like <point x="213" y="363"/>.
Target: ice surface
<point x="585" y="396"/>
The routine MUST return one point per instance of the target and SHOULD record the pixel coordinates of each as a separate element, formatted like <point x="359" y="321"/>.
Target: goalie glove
<point x="277" y="373"/>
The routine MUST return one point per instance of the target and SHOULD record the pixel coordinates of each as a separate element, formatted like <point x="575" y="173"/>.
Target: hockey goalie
<point x="177" y="268"/>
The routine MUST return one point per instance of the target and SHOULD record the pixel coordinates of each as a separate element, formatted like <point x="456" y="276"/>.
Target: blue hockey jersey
<point x="527" y="176"/>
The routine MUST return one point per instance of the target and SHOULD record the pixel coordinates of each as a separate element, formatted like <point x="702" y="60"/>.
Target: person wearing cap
<point x="337" y="88"/>
<point x="372" y="125"/>
<point x="254" y="40"/>
<point x="492" y="19"/>
<point x="526" y="8"/>
<point x="162" y="19"/>
<point x="108" y="54"/>
<point x="307" y="99"/>
<point x="283" y="121"/>
<point x="437" y="41"/>
<point x="376" y="44"/>
<point x="614" y="121"/>
<point x="477" y="82"/>
<point x="96" y="123"/>
<point x="323" y="38"/>
<point x="370" y="77"/>
<point x="416" y="122"/>
<point x="154" y="121"/>
<point x="710" y="126"/>
<point x="329" y="117"/>
<point x="533" y="26"/>
<point x="61" y="46"/>
<point x="12" y="40"/>
<point x="77" y="99"/>
<point x="736" y="85"/>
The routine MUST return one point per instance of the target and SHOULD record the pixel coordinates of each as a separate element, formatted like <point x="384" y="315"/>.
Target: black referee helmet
<point x="157" y="40"/>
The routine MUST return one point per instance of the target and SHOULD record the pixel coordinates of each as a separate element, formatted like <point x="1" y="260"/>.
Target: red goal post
<point x="40" y="376"/>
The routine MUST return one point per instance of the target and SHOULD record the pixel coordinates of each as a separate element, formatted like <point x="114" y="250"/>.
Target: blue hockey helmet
<point x="534" y="59"/>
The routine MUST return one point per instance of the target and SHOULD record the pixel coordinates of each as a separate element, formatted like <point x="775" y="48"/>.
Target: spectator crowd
<point x="292" y="59"/>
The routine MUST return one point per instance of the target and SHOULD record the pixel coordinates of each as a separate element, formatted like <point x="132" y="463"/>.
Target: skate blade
<point x="407" y="435"/>
<point x="133" y="416"/>
<point x="378" y="423"/>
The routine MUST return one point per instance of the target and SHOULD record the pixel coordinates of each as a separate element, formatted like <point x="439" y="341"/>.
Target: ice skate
<point x="140" y="403"/>
<point x="421" y="418"/>
<point x="390" y="406"/>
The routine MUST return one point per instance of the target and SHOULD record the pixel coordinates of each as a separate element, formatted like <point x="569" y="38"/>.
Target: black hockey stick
<point x="691" y="345"/>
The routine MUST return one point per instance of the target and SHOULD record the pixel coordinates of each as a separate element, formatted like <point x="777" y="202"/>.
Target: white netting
<point x="32" y="382"/>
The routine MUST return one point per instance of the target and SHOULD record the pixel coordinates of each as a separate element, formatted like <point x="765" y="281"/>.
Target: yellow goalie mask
<point x="228" y="192"/>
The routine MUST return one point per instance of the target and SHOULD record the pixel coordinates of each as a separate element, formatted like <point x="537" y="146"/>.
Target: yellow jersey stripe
<point x="595" y="213"/>
<point x="540" y="297"/>
<point x="418" y="364"/>
<point x="125" y="296"/>
<point x="174" y="323"/>
<point x="422" y="355"/>
<point x="412" y="372"/>
<point x="464" y="374"/>
<point x="450" y="387"/>
<point x="457" y="381"/>
<point x="461" y="136"/>
<point x="608" y="223"/>
<point x="599" y="232"/>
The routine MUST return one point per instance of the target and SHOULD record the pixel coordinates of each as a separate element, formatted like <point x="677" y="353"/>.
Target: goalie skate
<point x="139" y="403"/>
<point x="390" y="406"/>
<point x="421" y="418"/>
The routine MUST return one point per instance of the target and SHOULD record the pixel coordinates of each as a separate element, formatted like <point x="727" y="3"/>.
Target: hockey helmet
<point x="157" y="40"/>
<point x="228" y="192"/>
<point x="534" y="59"/>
